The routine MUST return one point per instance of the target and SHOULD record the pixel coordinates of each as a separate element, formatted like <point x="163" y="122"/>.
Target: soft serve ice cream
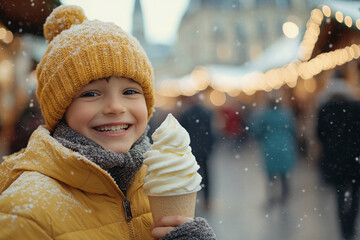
<point x="171" y="167"/>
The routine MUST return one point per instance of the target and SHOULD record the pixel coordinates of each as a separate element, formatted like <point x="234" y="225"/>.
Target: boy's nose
<point x="114" y="106"/>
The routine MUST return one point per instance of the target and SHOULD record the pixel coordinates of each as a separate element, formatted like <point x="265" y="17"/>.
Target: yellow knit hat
<point x="80" y="51"/>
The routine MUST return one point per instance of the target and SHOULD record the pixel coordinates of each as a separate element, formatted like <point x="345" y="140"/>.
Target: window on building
<point x="262" y="30"/>
<point x="260" y="3"/>
<point x="284" y="4"/>
<point x="218" y="31"/>
<point x="235" y="5"/>
<point x="241" y="42"/>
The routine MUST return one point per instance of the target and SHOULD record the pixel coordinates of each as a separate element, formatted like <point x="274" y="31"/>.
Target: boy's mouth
<point x="113" y="129"/>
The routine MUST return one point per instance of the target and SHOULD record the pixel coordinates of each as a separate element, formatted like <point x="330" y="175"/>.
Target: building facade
<point x="231" y="32"/>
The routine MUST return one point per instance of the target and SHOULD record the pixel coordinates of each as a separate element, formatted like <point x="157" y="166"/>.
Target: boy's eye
<point x="130" y="92"/>
<point x="90" y="94"/>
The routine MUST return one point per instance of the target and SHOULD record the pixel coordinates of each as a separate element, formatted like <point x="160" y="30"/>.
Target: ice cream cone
<point x="182" y="205"/>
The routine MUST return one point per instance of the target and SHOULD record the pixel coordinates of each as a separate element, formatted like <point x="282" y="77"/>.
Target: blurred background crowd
<point x="267" y="89"/>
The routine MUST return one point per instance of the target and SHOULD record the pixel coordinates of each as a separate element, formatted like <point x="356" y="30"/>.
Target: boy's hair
<point x="80" y="51"/>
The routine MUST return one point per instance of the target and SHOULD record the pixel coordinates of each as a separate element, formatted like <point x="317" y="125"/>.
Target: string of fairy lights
<point x="304" y="67"/>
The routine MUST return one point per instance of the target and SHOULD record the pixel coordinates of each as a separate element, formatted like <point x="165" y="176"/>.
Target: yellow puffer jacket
<point x="50" y="192"/>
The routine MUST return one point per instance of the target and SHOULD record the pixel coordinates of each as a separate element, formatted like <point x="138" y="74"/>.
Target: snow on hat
<point x="81" y="50"/>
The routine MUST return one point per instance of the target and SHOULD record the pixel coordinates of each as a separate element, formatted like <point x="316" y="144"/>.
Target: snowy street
<point x="238" y="209"/>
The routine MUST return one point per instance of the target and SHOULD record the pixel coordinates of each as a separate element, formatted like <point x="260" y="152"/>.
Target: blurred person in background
<point x="274" y="128"/>
<point x="197" y="120"/>
<point x="338" y="129"/>
<point x="232" y="124"/>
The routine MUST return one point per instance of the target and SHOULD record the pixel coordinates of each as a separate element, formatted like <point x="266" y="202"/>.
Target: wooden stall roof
<point x="26" y="16"/>
<point x="335" y="34"/>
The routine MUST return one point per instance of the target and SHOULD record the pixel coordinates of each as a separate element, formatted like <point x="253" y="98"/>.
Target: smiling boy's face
<point x="111" y="112"/>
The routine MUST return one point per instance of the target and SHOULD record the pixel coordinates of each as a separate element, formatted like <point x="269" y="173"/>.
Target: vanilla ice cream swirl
<point x="171" y="167"/>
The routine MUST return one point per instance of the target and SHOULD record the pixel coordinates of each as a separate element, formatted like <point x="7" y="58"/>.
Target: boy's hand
<point x="166" y="224"/>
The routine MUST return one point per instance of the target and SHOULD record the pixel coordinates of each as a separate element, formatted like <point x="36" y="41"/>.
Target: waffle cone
<point x="182" y="205"/>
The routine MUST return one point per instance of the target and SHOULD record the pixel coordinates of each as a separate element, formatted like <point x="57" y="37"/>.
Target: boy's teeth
<point x="118" y="128"/>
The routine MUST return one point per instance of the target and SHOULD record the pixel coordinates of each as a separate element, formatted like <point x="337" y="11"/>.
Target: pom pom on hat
<point x="62" y="18"/>
<point x="80" y="51"/>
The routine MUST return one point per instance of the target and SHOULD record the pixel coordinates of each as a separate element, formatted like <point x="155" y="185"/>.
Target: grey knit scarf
<point x="122" y="167"/>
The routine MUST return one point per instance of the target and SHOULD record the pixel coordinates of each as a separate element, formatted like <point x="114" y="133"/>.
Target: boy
<point x="80" y="176"/>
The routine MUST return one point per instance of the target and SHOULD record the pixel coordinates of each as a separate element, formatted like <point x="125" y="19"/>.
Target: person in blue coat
<point x="274" y="128"/>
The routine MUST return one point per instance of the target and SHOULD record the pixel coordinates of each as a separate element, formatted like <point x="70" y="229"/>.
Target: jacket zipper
<point x="128" y="216"/>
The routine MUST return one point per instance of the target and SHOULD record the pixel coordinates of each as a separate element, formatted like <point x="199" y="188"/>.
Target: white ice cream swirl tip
<point x="171" y="167"/>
